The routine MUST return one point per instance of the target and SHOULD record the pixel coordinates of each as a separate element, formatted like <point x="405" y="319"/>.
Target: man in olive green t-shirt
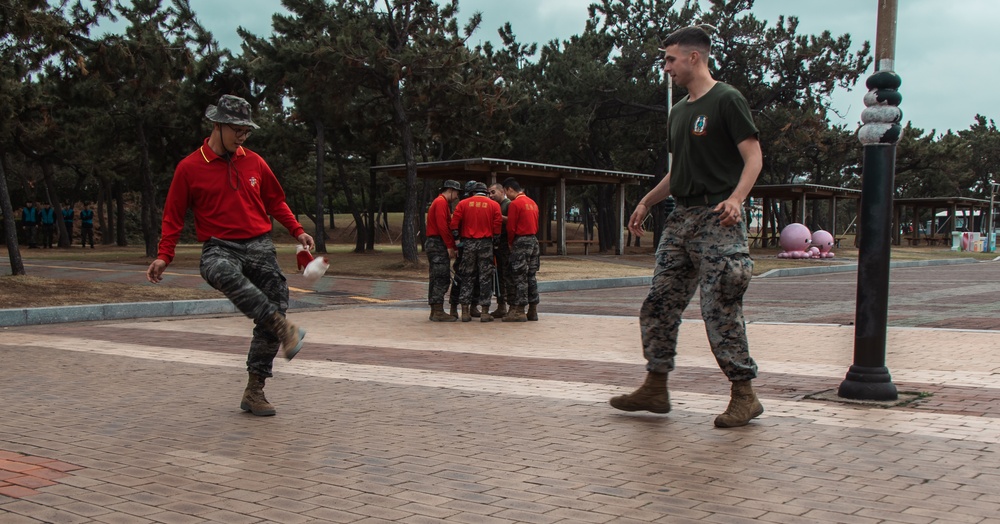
<point x="704" y="244"/>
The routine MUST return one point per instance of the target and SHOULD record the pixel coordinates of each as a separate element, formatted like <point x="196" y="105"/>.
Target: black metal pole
<point x="868" y="378"/>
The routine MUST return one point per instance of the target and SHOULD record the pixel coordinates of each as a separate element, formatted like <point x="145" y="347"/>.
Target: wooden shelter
<point x="532" y="175"/>
<point x="940" y="227"/>
<point x="798" y="195"/>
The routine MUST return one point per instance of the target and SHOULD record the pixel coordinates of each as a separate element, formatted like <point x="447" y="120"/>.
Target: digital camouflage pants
<point x="697" y="252"/>
<point x="475" y="268"/>
<point x="247" y="272"/>
<point x="438" y="269"/>
<point x="524" y="265"/>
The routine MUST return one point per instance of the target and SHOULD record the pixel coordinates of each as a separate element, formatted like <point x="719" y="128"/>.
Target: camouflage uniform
<point x="247" y="272"/>
<point x="438" y="270"/>
<point x="504" y="279"/>
<point x="524" y="264"/>
<point x="695" y="248"/>
<point x="476" y="271"/>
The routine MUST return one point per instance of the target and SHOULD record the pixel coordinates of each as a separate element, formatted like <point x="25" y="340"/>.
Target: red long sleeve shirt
<point x="522" y="218"/>
<point x="437" y="221"/>
<point x="230" y="201"/>
<point x="477" y="217"/>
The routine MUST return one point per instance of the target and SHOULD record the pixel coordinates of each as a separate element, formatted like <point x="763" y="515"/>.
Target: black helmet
<point x="480" y="189"/>
<point x="451" y="184"/>
<point x="469" y="187"/>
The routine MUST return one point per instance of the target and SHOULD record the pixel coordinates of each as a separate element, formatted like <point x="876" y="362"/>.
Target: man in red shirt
<point x="440" y="248"/>
<point x="522" y="228"/>
<point x="234" y="194"/>
<point x="477" y="221"/>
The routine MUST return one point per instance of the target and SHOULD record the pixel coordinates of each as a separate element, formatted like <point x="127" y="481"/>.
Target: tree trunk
<point x="53" y="200"/>
<point x="359" y="224"/>
<point x="329" y="205"/>
<point x="409" y="237"/>
<point x="605" y="218"/>
<point x="120" y="215"/>
<point x="9" y="225"/>
<point x="320" y="236"/>
<point x="107" y="215"/>
<point x="370" y="225"/>
<point x="147" y="210"/>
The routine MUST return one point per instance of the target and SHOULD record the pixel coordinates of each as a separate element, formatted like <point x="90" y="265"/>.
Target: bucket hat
<point x="231" y="110"/>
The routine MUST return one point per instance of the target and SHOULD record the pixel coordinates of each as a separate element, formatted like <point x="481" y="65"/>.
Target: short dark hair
<point x="510" y="183"/>
<point x="691" y="36"/>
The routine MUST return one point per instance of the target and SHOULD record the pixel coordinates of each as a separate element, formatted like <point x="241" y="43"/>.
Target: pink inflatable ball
<point x="795" y="238"/>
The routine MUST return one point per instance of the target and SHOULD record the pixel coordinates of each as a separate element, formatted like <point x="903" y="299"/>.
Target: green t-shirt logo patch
<point x="699" y="125"/>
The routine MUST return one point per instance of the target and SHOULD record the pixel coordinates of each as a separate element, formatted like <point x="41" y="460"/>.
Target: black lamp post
<point x="868" y="378"/>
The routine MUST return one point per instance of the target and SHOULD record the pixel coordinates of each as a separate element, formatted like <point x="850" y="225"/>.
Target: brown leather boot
<point x="532" y="313"/>
<point x="288" y="334"/>
<point x="501" y="310"/>
<point x="438" y="314"/>
<point x="651" y="396"/>
<point x="516" y="315"/>
<point x="474" y="311"/>
<point x="466" y="317"/>
<point x="253" y="398"/>
<point x="485" y="317"/>
<point x="743" y="406"/>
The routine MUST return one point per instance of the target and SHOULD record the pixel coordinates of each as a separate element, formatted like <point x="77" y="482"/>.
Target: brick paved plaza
<point x="385" y="417"/>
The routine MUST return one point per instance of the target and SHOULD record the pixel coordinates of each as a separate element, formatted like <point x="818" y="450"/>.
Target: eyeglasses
<point x="240" y="131"/>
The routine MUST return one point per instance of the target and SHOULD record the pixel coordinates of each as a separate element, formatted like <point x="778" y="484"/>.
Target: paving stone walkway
<point x="386" y="417"/>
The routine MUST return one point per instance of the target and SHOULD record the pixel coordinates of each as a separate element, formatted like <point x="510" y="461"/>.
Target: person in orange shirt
<point x="477" y="221"/>
<point x="522" y="231"/>
<point x="440" y="248"/>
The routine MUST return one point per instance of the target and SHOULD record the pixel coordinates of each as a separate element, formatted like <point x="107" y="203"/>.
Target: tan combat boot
<point x="532" y="313"/>
<point x="485" y="316"/>
<point x="474" y="311"/>
<point x="743" y="406"/>
<point x="516" y="315"/>
<point x="288" y="334"/>
<point x="438" y="314"/>
<point x="651" y="396"/>
<point x="501" y="310"/>
<point x="253" y="398"/>
<point x="454" y="311"/>
<point x="466" y="317"/>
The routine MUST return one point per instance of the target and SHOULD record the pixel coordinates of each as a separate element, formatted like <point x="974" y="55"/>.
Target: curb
<point x="104" y="312"/>
<point x="84" y="313"/>
<point x="803" y="271"/>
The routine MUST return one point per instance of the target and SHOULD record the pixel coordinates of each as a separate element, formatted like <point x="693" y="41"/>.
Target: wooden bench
<point x="554" y="243"/>
<point x="586" y="244"/>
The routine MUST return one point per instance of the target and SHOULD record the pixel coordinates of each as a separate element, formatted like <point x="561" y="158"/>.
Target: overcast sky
<point x="947" y="51"/>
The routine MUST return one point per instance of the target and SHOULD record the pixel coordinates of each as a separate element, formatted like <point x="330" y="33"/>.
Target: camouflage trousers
<point x="505" y="279"/>
<point x="524" y="265"/>
<point x="247" y="272"/>
<point x="697" y="252"/>
<point x="475" y="273"/>
<point x="438" y="269"/>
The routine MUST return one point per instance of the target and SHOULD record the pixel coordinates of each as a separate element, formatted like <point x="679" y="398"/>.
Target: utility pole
<point x="868" y="378"/>
<point x="991" y="232"/>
